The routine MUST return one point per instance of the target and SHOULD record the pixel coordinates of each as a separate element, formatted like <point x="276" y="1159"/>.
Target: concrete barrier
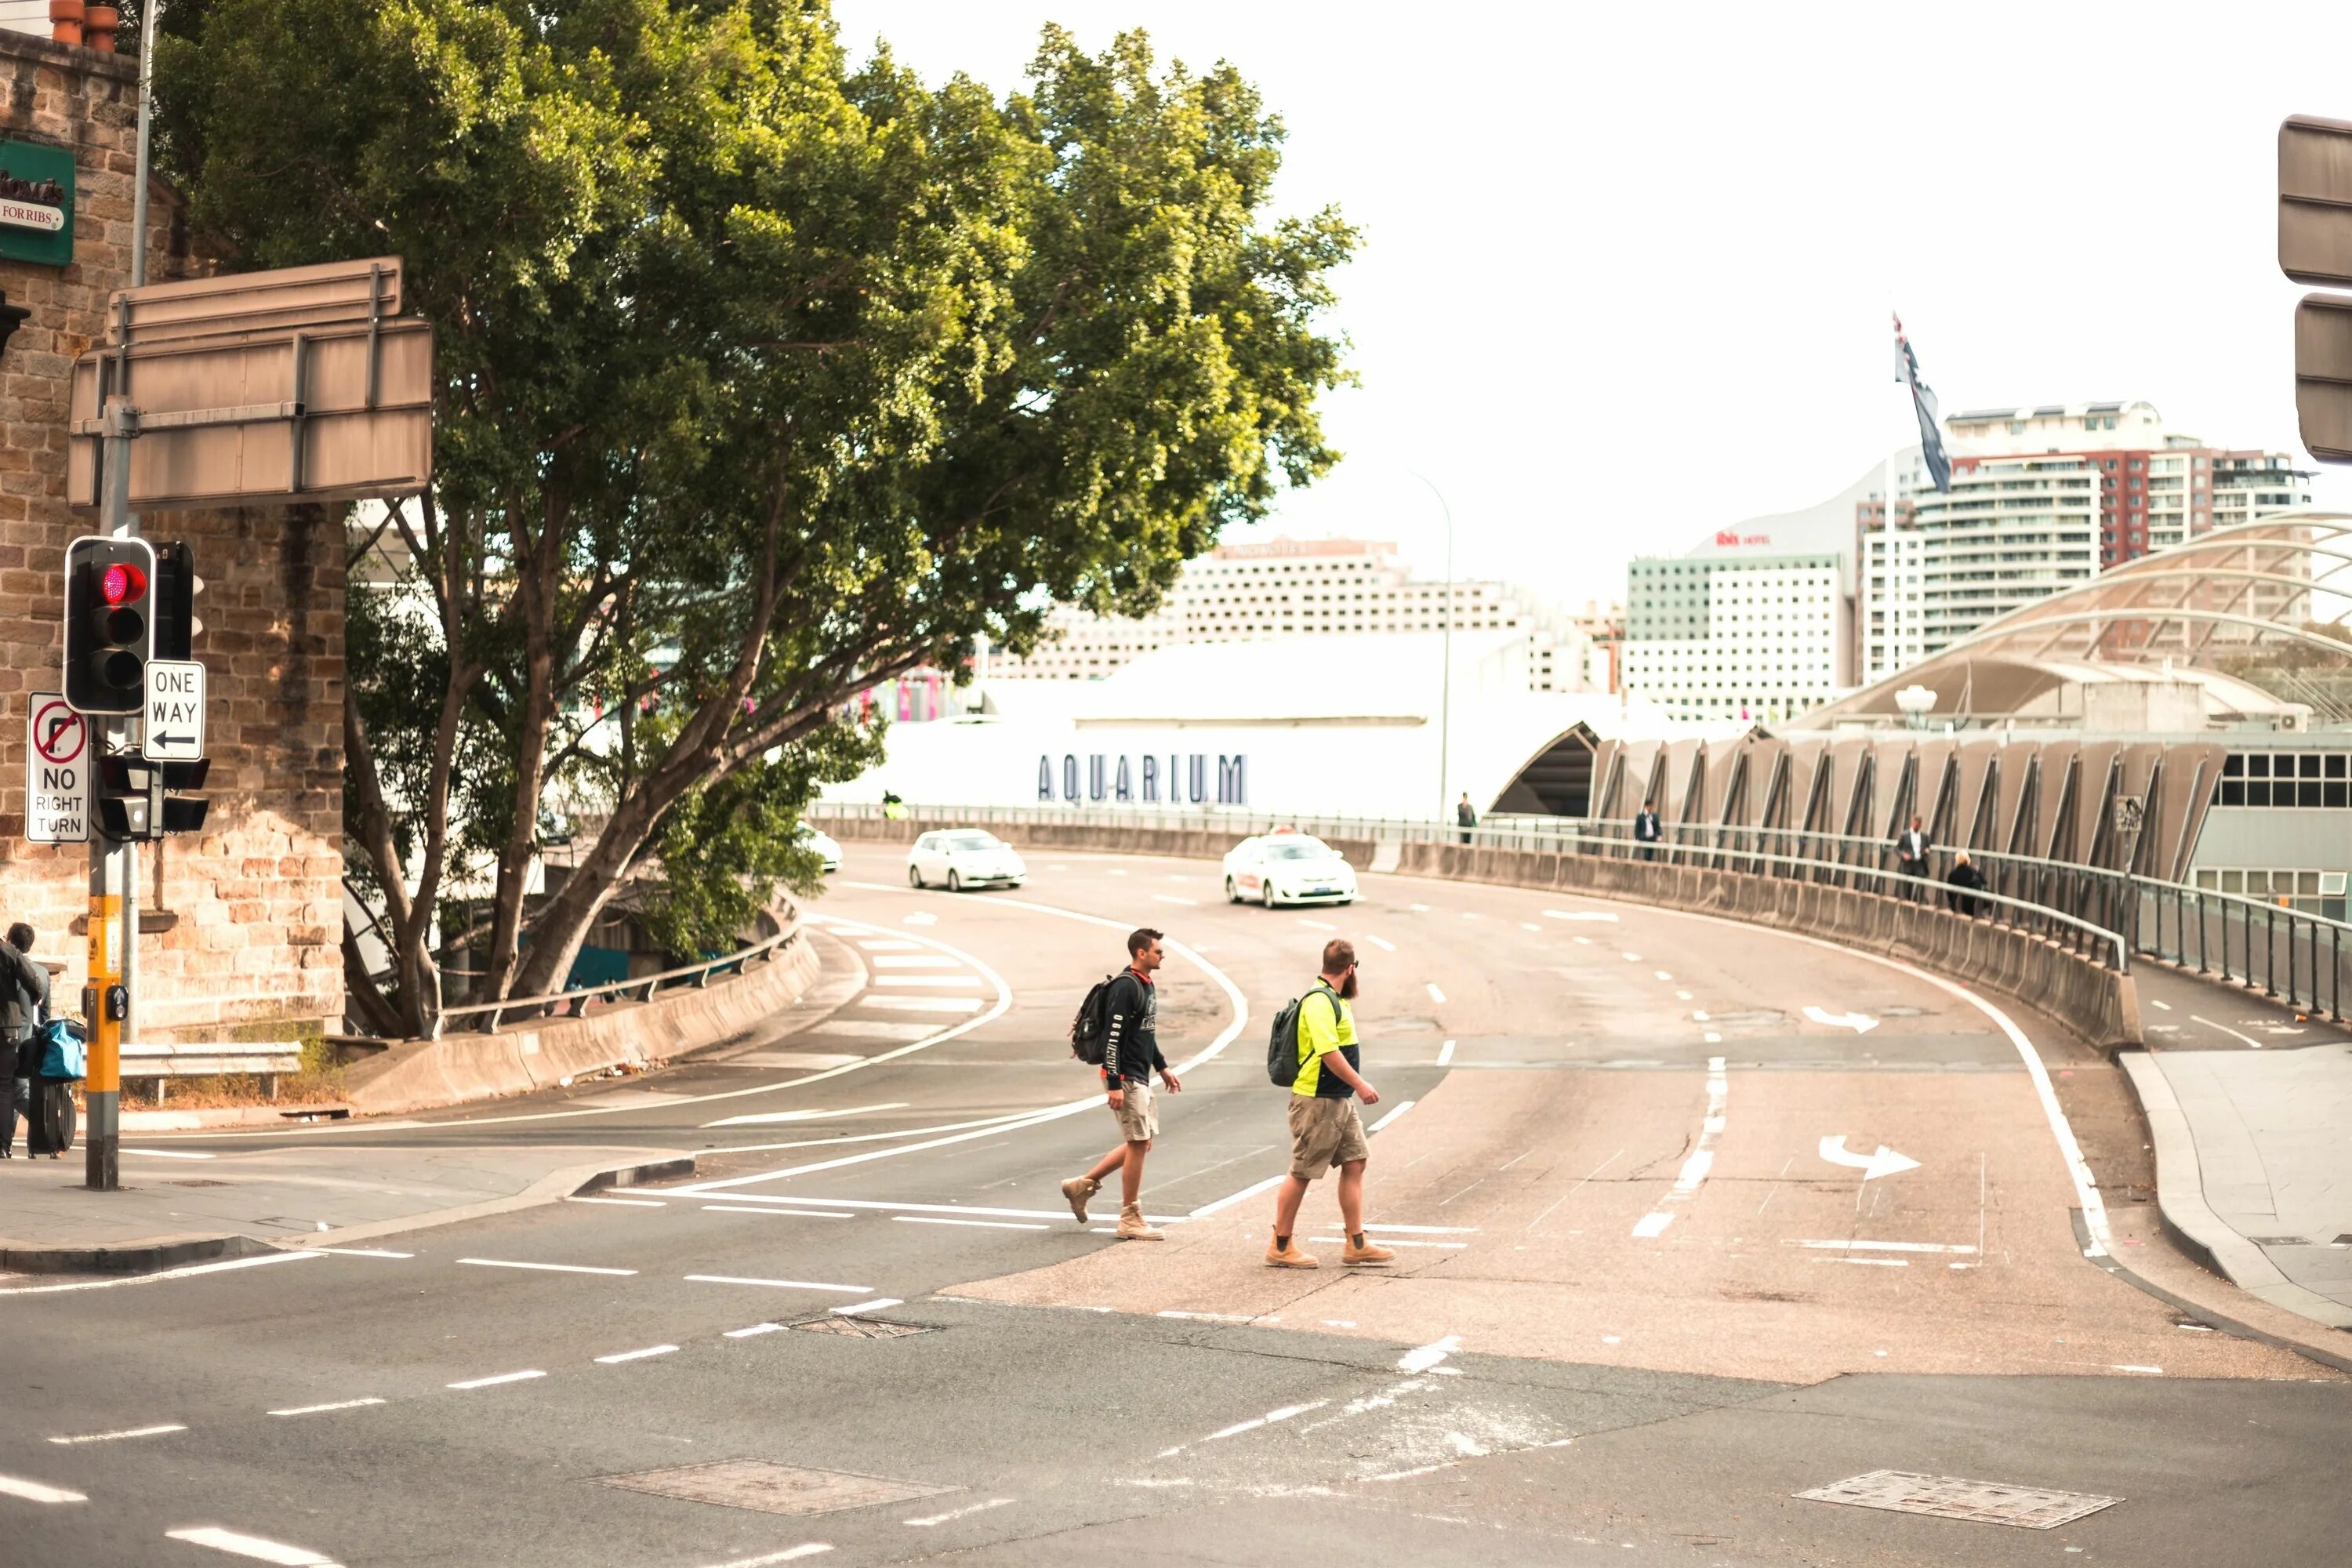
<point x="417" y="1075"/>
<point x="2095" y="1001"/>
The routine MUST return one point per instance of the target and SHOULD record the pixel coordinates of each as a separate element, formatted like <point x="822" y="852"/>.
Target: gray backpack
<point x="1282" y="1047"/>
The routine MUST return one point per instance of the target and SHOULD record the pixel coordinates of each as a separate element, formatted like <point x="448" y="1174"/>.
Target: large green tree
<point x="766" y="376"/>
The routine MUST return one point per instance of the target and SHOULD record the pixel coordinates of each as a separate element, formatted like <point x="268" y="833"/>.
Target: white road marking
<point x="252" y="1546"/>
<point x="1319" y="925"/>
<point x="915" y="960"/>
<point x="958" y="1513"/>
<point x="982" y="1224"/>
<point x="1238" y="1427"/>
<point x="189" y="1272"/>
<point x="155" y="1431"/>
<point x="754" y="1328"/>
<point x="869" y="1204"/>
<point x="924" y="979"/>
<point x="921" y="1004"/>
<point x="35" y="1492"/>
<point x="360" y="1252"/>
<point x="1418" y="908"/>
<point x="618" y="1203"/>
<point x="1576" y="915"/>
<point x="1392" y="1241"/>
<point x="1682" y="996"/>
<point x="887" y="944"/>
<point x="1860" y="1023"/>
<point x="2165" y="1006"/>
<point x="1427" y="1230"/>
<point x="1230" y="1199"/>
<point x="797" y="1213"/>
<point x="1210" y="1317"/>
<point x="494" y="1382"/>
<point x="1426" y="1356"/>
<point x="1434" y="993"/>
<point x="1392" y="1115"/>
<point x="2148" y="1371"/>
<point x="1693" y="1175"/>
<point x="875" y="1305"/>
<point x="921" y="917"/>
<point x="1529" y="925"/>
<point x="1870" y="1263"/>
<point x="1713" y="1038"/>
<point x="339" y="1404"/>
<point x="1632" y="958"/>
<point x="1883" y="1246"/>
<point x="789" y="1555"/>
<point x="1338" y="1322"/>
<point x="649" y="1351"/>
<point x="1383" y="943"/>
<point x="2226" y="1029"/>
<point x="1584" y="942"/>
<point x="1699" y="1015"/>
<point x="1886" y="1161"/>
<point x="1664" y="975"/>
<point x="1173" y="899"/>
<point x="770" y="1117"/>
<point x="780" y="1284"/>
<point x="1446" y="1053"/>
<point x="169" y="1153"/>
<point x="544" y="1268"/>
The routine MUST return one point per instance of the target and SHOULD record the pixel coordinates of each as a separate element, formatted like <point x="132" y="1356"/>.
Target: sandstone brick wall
<point x="252" y="951"/>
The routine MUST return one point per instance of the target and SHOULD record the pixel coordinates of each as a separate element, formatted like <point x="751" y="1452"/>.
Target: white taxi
<point x="1287" y="868"/>
<point x="960" y="858"/>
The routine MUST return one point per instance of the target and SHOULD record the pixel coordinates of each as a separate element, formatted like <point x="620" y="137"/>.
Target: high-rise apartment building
<point x="1286" y="587"/>
<point x="2041" y="499"/>
<point x="1736" y="634"/>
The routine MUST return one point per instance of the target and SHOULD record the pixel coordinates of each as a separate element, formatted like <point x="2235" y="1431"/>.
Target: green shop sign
<point x="37" y="201"/>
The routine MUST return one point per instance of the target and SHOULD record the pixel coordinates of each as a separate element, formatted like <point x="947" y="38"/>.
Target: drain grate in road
<point x="195" y="1182"/>
<point x="772" y="1488"/>
<point x="1949" y="1497"/>
<point x="862" y="1328"/>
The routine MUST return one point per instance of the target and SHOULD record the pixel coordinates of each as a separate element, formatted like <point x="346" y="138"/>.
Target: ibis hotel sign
<point x="36" y="204"/>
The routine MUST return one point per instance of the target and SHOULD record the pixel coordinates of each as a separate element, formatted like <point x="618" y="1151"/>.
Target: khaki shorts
<point x="1138" y="1118"/>
<point x="1324" y="1133"/>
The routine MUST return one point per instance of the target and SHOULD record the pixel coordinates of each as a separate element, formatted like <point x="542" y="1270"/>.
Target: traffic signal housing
<point x="110" y="623"/>
<point x="137" y="799"/>
<point x="176" y="587"/>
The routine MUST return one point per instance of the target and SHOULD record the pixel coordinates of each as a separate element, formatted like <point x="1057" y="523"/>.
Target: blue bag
<point x="65" y="1051"/>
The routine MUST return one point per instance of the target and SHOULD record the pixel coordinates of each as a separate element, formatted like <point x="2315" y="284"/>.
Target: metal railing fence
<point x="575" y="1002"/>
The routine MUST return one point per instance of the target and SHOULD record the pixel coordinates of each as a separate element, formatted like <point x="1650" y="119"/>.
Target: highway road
<point x="1691" y="1218"/>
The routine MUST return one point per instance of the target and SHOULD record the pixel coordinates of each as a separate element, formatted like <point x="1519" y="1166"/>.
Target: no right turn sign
<point x="57" y="771"/>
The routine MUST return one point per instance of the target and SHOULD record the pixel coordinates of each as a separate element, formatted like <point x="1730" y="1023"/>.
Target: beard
<point x="1348" y="987"/>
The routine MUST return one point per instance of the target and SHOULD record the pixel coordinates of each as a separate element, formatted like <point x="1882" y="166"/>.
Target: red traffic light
<point x="122" y="583"/>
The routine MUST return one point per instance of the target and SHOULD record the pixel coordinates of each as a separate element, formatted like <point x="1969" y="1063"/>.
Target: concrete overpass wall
<point x="2096" y="1002"/>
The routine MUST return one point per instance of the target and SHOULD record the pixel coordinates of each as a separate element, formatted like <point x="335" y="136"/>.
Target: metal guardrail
<point x="2079" y="932"/>
<point x="697" y="974"/>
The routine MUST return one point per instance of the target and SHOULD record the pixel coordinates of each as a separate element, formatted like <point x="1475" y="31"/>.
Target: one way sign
<point x="176" y="712"/>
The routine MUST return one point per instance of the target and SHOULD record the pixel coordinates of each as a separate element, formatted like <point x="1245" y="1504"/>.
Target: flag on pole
<point x="1923" y="403"/>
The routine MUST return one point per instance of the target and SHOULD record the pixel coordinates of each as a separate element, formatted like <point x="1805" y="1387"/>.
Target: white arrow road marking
<point x="1886" y="1161"/>
<point x="1860" y="1023"/>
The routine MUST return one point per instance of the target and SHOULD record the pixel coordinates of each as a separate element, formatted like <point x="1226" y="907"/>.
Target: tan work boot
<point x="1287" y="1255"/>
<point x="1368" y="1253"/>
<point x="1132" y="1228"/>
<point x="1077" y="1190"/>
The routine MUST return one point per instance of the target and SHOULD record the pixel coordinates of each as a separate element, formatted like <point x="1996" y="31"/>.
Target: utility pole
<point x="114" y="863"/>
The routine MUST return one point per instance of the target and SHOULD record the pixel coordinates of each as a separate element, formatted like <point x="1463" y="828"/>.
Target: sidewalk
<point x="192" y="1206"/>
<point x="2254" y="1164"/>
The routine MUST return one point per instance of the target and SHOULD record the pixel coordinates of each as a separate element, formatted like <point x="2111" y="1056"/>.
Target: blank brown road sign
<point x="2315" y="200"/>
<point x="2322" y="374"/>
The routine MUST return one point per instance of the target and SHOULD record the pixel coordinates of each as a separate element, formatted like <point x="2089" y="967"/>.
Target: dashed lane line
<point x="914" y="960"/>
<point x="921" y="1004"/>
<point x="504" y="1377"/>
<point x="617" y="1203"/>
<point x="879" y="1303"/>
<point x="939" y="980"/>
<point x="1435" y="995"/>
<point x="251" y="1546"/>
<point x="1383" y="943"/>
<point x="873" y="1206"/>
<point x="1693" y="1175"/>
<point x="797" y="1213"/>
<point x="37" y="1491"/>
<point x="646" y="1354"/>
<point x="980" y="1223"/>
<point x="158" y="1430"/>
<point x="187" y="1273"/>
<point x="322" y="1409"/>
<point x="812" y="1113"/>
<point x="545" y="1268"/>
<point x="958" y="1513"/>
<point x="1446" y="1054"/>
<point x="780" y="1284"/>
<point x="1392" y="1115"/>
<point x="789" y="1554"/>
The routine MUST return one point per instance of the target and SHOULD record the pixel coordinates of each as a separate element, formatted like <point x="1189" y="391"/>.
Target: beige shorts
<point x="1324" y="1133"/>
<point x="1138" y="1118"/>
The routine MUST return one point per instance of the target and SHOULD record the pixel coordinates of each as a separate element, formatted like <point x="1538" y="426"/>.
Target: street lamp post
<point x="1445" y="656"/>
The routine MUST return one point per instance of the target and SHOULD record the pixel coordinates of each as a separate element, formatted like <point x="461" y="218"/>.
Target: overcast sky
<point x="1628" y="270"/>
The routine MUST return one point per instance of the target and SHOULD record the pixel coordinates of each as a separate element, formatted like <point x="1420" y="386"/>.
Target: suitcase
<point x="52" y="1128"/>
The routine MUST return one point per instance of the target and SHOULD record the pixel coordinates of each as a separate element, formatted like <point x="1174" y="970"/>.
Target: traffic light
<point x="110" y="623"/>
<point x="176" y="587"/>
<point x="140" y="799"/>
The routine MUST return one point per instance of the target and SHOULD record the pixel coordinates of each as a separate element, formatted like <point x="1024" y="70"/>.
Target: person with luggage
<point x="24" y="1008"/>
<point x="1326" y="1132"/>
<point x="1130" y="1017"/>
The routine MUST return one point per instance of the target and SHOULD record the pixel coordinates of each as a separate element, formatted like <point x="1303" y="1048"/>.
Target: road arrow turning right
<point x="1886" y="1161"/>
<point x="1860" y="1023"/>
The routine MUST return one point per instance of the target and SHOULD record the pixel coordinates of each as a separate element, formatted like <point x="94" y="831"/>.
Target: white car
<point x="828" y="851"/>
<point x="961" y="858"/>
<point x="1289" y="868"/>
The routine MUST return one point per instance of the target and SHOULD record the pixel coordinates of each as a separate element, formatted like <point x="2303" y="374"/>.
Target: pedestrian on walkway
<point x="1960" y="883"/>
<point x="1325" y="1131"/>
<point x="1130" y="1056"/>
<point x="1466" y="816"/>
<point x="1912" y="847"/>
<point x="1647" y="831"/>
<point x="24" y="1008"/>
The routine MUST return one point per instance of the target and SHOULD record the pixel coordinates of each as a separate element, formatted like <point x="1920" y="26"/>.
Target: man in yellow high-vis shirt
<point x="1325" y="1129"/>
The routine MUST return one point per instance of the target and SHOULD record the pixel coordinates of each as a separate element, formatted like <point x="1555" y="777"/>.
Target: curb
<point x="152" y="1255"/>
<point x="2205" y="1315"/>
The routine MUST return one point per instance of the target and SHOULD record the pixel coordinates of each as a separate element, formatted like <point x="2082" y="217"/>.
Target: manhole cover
<point x="1949" y="1497"/>
<point x="862" y="1328"/>
<point x="772" y="1488"/>
<point x="195" y="1182"/>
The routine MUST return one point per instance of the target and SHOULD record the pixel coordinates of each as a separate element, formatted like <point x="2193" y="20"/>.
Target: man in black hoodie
<point x="1130" y="1056"/>
<point x="23" y="1005"/>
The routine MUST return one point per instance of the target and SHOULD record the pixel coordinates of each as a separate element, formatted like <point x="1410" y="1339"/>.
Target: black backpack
<point x="1091" y="1029"/>
<point x="1282" y="1058"/>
